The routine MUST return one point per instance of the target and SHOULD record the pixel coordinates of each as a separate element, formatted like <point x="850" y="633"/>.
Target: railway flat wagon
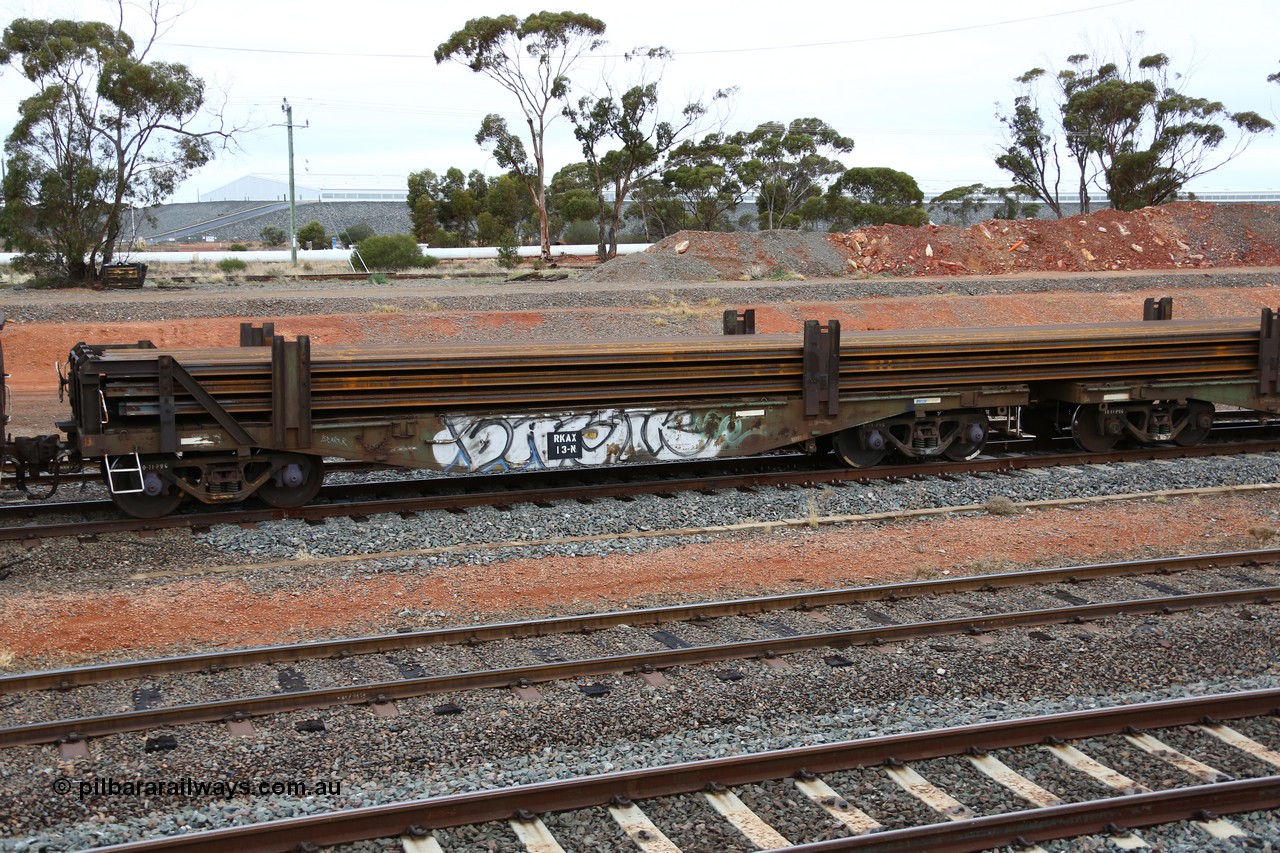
<point x="219" y="425"/>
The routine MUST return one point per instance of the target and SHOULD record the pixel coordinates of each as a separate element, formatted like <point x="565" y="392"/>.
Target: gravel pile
<point x="1185" y="235"/>
<point x="743" y="256"/>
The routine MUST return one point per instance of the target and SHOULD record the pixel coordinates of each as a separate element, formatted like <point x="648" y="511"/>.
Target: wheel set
<point x="154" y="485"/>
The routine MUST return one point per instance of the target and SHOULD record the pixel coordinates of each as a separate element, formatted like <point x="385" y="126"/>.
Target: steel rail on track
<point x="395" y="819"/>
<point x="591" y="491"/>
<point x="1056" y="822"/>
<point x="355" y="646"/>
<point x="386" y="691"/>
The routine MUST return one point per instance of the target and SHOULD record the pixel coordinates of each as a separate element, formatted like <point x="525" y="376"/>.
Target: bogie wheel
<point x="1199" y="420"/>
<point x="1089" y="432"/>
<point x="972" y="432"/>
<point x="159" y="496"/>
<point x="297" y="481"/>
<point x="860" y="447"/>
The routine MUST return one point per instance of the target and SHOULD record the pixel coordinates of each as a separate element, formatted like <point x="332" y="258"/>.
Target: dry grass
<point x="674" y="310"/>
<point x="1263" y="533"/>
<point x="1000" y="505"/>
<point x="7" y="657"/>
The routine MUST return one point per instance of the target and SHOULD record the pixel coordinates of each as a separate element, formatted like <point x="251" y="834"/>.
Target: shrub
<point x="312" y="236"/>
<point x="355" y="234"/>
<point x="237" y="247"/>
<point x="230" y="265"/>
<point x="582" y="232"/>
<point x="508" y="250"/>
<point x="378" y="278"/>
<point x="273" y="236"/>
<point x="390" y="252"/>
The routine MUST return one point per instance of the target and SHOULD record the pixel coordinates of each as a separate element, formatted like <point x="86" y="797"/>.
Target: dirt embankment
<point x="1186" y="235"/>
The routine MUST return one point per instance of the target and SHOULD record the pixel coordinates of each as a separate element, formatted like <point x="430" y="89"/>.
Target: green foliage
<point x="105" y="130"/>
<point x="1030" y="154"/>
<point x="392" y="252"/>
<point x="531" y="58"/>
<point x="583" y="232"/>
<point x="656" y="211"/>
<point x="958" y="205"/>
<point x="446" y="205"/>
<point x="572" y="197"/>
<point x="1014" y="203"/>
<point x="237" y="247"/>
<point x="355" y="233"/>
<point x="273" y="236"/>
<point x="378" y="278"/>
<point x="230" y="265"/>
<point x="508" y="251"/>
<point x="789" y="164"/>
<point x="1130" y="127"/>
<point x="510" y="206"/>
<point x="312" y="236"/>
<point x="629" y="119"/>
<point x="874" y="196"/>
<point x="704" y="178"/>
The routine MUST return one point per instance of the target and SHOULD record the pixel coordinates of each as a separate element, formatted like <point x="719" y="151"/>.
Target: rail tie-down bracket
<point x="821" y="368"/>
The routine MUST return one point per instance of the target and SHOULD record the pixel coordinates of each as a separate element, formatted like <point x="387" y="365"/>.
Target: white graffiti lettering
<point x="519" y="442"/>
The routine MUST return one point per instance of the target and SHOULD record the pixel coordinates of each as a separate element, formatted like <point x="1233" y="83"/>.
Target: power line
<point x="865" y="40"/>
<point x="908" y="35"/>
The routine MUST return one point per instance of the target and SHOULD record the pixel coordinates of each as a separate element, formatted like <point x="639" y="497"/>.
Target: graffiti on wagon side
<point x="607" y="436"/>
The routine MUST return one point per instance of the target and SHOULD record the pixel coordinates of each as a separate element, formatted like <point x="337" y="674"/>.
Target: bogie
<point x="154" y="485"/>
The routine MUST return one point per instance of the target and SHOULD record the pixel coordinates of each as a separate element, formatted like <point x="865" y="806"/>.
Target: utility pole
<point x="293" y="215"/>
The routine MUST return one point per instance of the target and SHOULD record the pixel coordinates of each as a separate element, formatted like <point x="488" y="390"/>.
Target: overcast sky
<point x="915" y="84"/>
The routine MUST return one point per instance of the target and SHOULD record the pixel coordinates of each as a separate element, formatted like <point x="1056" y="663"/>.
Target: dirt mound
<point x="1186" y="235"/>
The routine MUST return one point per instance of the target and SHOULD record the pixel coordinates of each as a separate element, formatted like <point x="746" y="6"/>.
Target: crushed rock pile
<point x="1185" y="235"/>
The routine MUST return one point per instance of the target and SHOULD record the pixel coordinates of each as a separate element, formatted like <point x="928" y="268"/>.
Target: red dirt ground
<point x="224" y="611"/>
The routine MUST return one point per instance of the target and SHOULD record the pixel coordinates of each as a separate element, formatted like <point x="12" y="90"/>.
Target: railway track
<point x="20" y="522"/>
<point x="820" y="791"/>
<point x="452" y="661"/>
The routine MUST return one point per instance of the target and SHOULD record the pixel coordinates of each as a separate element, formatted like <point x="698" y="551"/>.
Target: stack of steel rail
<point x="461" y="377"/>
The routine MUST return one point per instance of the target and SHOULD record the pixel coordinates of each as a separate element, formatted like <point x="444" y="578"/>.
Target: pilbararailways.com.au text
<point x="186" y="786"/>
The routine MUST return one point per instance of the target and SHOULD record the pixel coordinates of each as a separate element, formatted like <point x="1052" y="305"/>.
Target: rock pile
<point x="1185" y="235"/>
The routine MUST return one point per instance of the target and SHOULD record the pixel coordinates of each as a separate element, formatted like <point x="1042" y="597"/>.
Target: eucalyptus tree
<point x="443" y="208"/>
<point x="873" y="196"/>
<point x="105" y="131"/>
<point x="705" y="178"/>
<point x="531" y="58"/>
<point x="1131" y="127"/>
<point x="630" y="119"/>
<point x="789" y="164"/>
